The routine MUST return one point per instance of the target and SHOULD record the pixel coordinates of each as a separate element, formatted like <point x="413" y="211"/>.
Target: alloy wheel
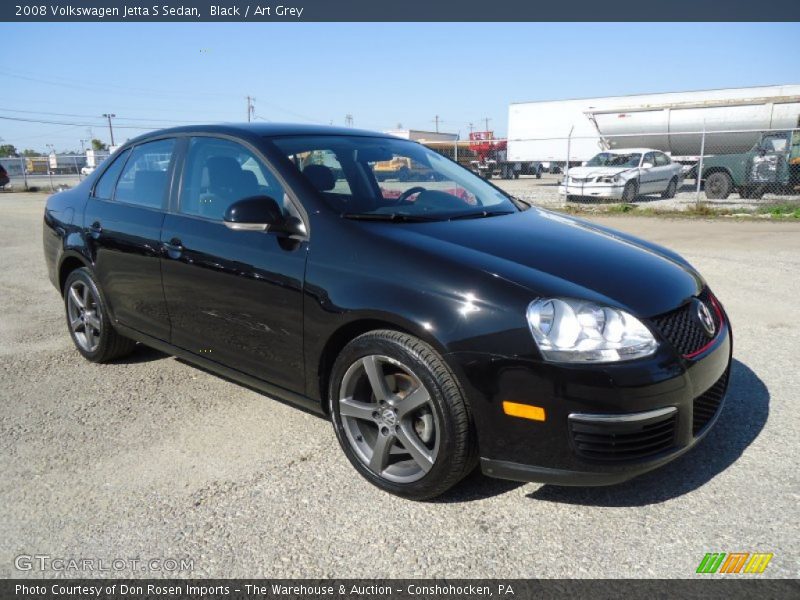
<point x="83" y="314"/>
<point x="389" y="419"/>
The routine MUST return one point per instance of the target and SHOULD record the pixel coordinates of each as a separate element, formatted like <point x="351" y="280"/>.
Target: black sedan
<point x="439" y="324"/>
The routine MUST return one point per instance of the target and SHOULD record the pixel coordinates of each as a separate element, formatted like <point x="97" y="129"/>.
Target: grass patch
<point x="781" y="210"/>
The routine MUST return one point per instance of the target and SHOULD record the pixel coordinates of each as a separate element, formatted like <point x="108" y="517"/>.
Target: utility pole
<point x="109" y="116"/>
<point x="83" y="147"/>
<point x="471" y="128"/>
<point x="486" y="120"/>
<point x="348" y="120"/>
<point x="436" y="120"/>
<point x="251" y="108"/>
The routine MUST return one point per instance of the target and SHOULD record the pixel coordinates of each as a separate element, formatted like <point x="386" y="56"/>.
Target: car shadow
<point x="476" y="486"/>
<point x="743" y="416"/>
<point x="141" y="354"/>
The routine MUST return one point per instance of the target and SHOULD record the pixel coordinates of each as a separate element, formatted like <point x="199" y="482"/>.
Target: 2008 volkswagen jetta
<point x="439" y="322"/>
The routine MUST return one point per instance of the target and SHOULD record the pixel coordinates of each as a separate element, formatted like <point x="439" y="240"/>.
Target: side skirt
<point x="279" y="393"/>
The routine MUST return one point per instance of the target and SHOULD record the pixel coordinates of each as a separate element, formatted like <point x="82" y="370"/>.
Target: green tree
<point x="98" y="145"/>
<point x="29" y="152"/>
<point x="8" y="150"/>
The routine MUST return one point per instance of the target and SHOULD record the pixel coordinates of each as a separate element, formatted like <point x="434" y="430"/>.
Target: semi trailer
<point x="682" y="124"/>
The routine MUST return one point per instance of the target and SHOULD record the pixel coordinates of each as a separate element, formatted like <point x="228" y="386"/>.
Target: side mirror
<point x="256" y="213"/>
<point x="647" y="165"/>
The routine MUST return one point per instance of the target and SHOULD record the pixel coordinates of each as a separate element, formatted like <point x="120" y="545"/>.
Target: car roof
<point x="632" y="150"/>
<point x="261" y="130"/>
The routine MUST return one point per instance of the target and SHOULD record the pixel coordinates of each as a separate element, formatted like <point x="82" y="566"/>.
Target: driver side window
<point x="219" y="172"/>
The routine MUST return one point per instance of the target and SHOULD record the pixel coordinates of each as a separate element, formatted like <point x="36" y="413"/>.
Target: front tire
<point x="630" y="191"/>
<point x="400" y="415"/>
<point x="88" y="320"/>
<point x="718" y="186"/>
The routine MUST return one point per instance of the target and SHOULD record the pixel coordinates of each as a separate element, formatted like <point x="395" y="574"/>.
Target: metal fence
<point x="48" y="172"/>
<point x="712" y="164"/>
<point x="743" y="164"/>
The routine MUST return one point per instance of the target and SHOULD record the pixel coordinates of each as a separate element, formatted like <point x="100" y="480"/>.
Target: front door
<point x="234" y="297"/>
<point x="648" y="174"/>
<point x="769" y="161"/>
<point x="123" y="220"/>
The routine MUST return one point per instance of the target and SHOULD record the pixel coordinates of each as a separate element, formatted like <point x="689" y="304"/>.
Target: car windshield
<point x="390" y="179"/>
<point x="612" y="159"/>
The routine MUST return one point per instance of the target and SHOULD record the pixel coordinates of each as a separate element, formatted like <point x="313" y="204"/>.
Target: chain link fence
<point x="52" y="172"/>
<point x="735" y="166"/>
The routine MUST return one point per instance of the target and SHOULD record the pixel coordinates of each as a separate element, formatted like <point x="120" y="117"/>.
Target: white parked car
<point x="624" y="175"/>
<point x="87" y="170"/>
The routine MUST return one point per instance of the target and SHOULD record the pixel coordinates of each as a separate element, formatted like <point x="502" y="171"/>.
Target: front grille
<point x="621" y="441"/>
<point x="706" y="405"/>
<point x="683" y="330"/>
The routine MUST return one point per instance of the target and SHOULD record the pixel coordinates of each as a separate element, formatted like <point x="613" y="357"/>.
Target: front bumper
<point x="595" y="190"/>
<point x="555" y="450"/>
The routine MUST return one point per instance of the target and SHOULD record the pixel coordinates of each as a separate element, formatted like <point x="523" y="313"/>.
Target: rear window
<point x="145" y="178"/>
<point x="104" y="188"/>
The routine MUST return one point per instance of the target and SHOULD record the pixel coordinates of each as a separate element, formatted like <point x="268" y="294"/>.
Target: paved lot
<point x="153" y="458"/>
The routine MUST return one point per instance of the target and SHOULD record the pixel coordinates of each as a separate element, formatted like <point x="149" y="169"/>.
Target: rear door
<point x="123" y="221"/>
<point x="234" y="297"/>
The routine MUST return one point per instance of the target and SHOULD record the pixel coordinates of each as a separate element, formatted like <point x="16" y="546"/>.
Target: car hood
<point x="598" y="171"/>
<point x="551" y="254"/>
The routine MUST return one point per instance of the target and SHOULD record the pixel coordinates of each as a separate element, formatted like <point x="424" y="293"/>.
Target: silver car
<point x="624" y="175"/>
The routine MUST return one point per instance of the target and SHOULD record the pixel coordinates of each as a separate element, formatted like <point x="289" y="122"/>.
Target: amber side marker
<point x="524" y="411"/>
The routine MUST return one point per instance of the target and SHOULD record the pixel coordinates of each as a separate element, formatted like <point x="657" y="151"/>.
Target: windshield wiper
<point x="393" y="217"/>
<point x="482" y="214"/>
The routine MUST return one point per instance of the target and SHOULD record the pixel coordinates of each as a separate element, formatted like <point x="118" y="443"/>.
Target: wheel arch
<point x="68" y="264"/>
<point x="349" y="331"/>
<point x="717" y="169"/>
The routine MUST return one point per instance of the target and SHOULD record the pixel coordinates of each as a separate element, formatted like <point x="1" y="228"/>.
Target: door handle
<point x="174" y="248"/>
<point x="95" y="229"/>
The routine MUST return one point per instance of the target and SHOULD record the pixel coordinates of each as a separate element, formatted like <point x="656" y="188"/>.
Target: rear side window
<point x="662" y="160"/>
<point x="105" y="185"/>
<point x="145" y="178"/>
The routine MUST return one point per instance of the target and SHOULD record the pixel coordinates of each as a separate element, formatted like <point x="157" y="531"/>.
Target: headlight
<point x="609" y="179"/>
<point x="577" y="332"/>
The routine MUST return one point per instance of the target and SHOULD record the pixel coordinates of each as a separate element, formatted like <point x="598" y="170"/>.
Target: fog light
<point x="524" y="411"/>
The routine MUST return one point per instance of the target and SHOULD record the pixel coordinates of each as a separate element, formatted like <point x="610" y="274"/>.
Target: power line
<point x="58" y="114"/>
<point x="5" y="118"/>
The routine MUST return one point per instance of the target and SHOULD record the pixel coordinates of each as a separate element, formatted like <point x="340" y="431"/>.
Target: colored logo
<point x="735" y="562"/>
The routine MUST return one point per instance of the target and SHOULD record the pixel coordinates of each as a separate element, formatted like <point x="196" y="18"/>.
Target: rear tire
<point x="400" y="415"/>
<point x="88" y="320"/>
<point x="718" y="185"/>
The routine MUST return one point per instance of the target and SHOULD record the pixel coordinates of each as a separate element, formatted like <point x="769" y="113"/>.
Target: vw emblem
<point x="705" y="318"/>
<point x="389" y="417"/>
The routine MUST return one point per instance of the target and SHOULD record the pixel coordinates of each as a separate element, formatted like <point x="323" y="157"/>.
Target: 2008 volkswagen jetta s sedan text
<point x="439" y="323"/>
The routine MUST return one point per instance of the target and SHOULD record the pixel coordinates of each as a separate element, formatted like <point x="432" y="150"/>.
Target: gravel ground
<point x="154" y="458"/>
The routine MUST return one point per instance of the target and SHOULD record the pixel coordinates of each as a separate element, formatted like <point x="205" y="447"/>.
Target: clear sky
<point x="157" y="75"/>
